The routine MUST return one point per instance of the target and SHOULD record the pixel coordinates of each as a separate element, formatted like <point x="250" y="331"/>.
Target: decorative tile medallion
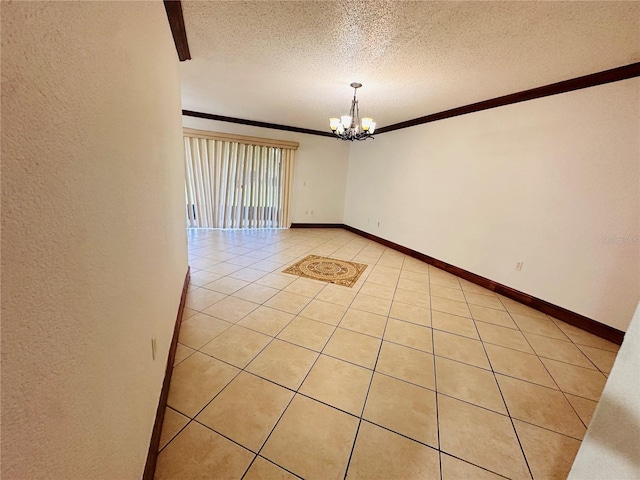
<point x="327" y="269"/>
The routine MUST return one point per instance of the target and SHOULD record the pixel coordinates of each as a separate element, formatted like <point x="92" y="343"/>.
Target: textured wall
<point x="551" y="182"/>
<point x="319" y="174"/>
<point x="610" y="448"/>
<point x="93" y="240"/>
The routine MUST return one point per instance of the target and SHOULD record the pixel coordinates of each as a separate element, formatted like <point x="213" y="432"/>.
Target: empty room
<point x="320" y="240"/>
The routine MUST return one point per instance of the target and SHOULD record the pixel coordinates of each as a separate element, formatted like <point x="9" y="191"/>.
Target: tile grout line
<point x="304" y="240"/>
<point x="235" y="376"/>
<point x="360" y="418"/>
<point x="513" y="426"/>
<point x="296" y="392"/>
<point x="435" y="376"/>
<point x="475" y="465"/>
<point x="542" y="386"/>
<point x="271" y="462"/>
<point x="564" y="394"/>
<point x="269" y="436"/>
<point x="241" y="370"/>
<point x="178" y="432"/>
<point x="373" y="336"/>
<point x="523" y="332"/>
<point x="391" y="376"/>
<point x="372" y="372"/>
<point x="366" y="398"/>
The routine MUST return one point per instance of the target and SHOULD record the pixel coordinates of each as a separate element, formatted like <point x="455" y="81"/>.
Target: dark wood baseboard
<point x="587" y="324"/>
<point x="317" y="225"/>
<point x="152" y="455"/>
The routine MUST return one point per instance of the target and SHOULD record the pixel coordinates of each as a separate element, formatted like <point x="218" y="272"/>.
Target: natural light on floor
<point x="409" y="373"/>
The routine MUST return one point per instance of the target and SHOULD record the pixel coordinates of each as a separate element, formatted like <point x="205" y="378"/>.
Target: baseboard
<point x="152" y="455"/>
<point x="601" y="330"/>
<point x="317" y="225"/>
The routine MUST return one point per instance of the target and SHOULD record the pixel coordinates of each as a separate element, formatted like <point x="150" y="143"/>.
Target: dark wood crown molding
<point x="254" y="123"/>
<point x="176" y="22"/>
<point x="608" y="76"/>
<point x="600" y="78"/>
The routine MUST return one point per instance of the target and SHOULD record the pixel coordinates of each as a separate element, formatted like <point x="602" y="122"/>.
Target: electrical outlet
<point x="378" y="222"/>
<point x="311" y="212"/>
<point x="153" y="348"/>
<point x="519" y="265"/>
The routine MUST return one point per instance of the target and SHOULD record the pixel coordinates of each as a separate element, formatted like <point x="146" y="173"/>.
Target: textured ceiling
<point x="292" y="62"/>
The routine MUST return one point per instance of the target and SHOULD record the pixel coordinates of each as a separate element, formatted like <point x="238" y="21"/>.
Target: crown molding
<point x="254" y="123"/>
<point x="176" y="22"/>
<point x="608" y="76"/>
<point x="600" y="78"/>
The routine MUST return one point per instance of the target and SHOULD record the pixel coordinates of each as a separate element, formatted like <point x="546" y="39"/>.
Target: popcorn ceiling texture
<point x="93" y="238"/>
<point x="256" y="60"/>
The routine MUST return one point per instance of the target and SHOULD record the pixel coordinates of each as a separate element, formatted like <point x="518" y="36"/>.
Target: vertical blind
<point x="234" y="182"/>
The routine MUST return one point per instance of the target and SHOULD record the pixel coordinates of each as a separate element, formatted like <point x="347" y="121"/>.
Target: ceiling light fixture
<point x="349" y="127"/>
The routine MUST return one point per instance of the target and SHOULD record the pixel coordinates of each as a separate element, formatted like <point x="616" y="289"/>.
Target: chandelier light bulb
<point x="351" y="127"/>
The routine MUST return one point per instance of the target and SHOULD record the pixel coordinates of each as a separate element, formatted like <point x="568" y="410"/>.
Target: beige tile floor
<point x="412" y="373"/>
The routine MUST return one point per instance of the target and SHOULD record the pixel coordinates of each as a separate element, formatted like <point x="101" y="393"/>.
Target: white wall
<point x="543" y="182"/>
<point x="320" y="171"/>
<point x="93" y="237"/>
<point x="610" y="450"/>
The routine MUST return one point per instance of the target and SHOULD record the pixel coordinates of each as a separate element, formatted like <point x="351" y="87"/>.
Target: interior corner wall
<point x="319" y="174"/>
<point x="93" y="234"/>
<point x="553" y="182"/>
<point x="610" y="447"/>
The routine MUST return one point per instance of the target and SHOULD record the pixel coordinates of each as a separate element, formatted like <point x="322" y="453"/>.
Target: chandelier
<point x="350" y="127"/>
